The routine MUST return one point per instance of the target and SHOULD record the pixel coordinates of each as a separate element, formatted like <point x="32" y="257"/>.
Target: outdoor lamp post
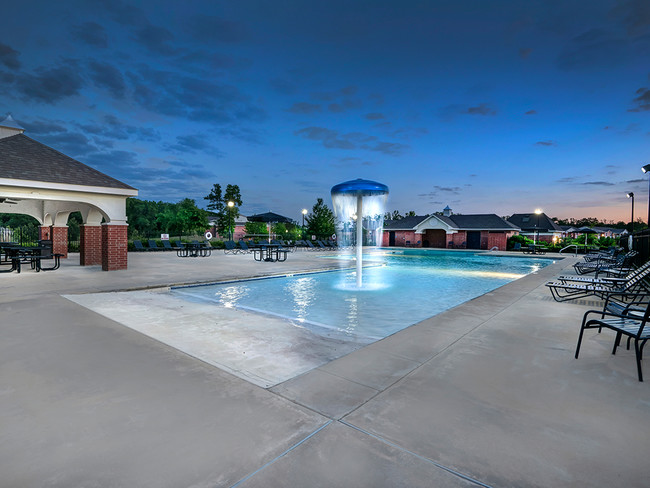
<point x="304" y="212"/>
<point x="230" y="206"/>
<point x="631" y="195"/>
<point x="645" y="169"/>
<point x="538" y="212"/>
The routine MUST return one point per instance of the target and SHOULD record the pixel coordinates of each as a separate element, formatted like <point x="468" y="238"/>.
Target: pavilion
<point x="39" y="181"/>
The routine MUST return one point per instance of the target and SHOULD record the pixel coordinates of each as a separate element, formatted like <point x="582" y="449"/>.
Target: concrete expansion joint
<point x="425" y="459"/>
<point x="296" y="445"/>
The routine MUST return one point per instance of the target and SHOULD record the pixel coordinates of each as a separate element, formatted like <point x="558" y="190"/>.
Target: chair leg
<point x="616" y="342"/>
<point x="638" y="359"/>
<point x="582" y="330"/>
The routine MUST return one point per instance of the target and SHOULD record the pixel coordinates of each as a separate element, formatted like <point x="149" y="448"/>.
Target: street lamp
<point x="230" y="206"/>
<point x="645" y="169"/>
<point x="304" y="212"/>
<point x="631" y="195"/>
<point x="538" y="212"/>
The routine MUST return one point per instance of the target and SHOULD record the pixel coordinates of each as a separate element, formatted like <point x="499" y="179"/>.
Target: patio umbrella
<point x="586" y="231"/>
<point x="269" y="218"/>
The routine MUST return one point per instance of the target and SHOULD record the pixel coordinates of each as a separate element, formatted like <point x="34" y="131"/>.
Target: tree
<point x="218" y="204"/>
<point x="256" y="228"/>
<point x="320" y="222"/>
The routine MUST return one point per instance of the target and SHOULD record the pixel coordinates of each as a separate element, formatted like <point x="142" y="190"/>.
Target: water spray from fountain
<point x="359" y="205"/>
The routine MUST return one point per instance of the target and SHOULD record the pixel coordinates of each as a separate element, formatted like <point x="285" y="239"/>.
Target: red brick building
<point x="478" y="231"/>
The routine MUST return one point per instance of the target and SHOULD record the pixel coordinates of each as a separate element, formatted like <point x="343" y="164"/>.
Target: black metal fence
<point x="641" y="244"/>
<point x="25" y="236"/>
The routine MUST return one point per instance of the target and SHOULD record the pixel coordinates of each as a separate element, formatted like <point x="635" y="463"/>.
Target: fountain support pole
<point x="360" y="189"/>
<point x="359" y="240"/>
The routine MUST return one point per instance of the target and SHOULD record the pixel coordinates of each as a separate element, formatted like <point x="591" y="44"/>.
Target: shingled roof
<point x="23" y="158"/>
<point x="533" y="222"/>
<point x="406" y="223"/>
<point x="481" y="222"/>
<point x="460" y="222"/>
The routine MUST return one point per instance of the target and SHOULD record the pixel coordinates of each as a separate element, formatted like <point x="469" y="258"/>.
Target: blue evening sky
<point x="486" y="106"/>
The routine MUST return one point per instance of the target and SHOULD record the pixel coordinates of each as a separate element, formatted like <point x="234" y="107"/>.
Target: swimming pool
<point x="400" y="289"/>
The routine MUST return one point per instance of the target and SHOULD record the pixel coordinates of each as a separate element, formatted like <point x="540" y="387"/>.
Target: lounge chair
<point x="231" y="247"/>
<point x="153" y="245"/>
<point x="607" y="279"/>
<point x="138" y="246"/>
<point x="564" y="290"/>
<point x="599" y="265"/>
<point x="631" y="325"/>
<point x="244" y="247"/>
<point x="167" y="246"/>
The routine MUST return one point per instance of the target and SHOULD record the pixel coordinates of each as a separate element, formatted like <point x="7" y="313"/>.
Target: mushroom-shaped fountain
<point x="356" y="200"/>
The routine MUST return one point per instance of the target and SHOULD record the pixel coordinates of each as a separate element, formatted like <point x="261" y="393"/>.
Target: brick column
<point x="45" y="233"/>
<point x="90" y="245"/>
<point x="114" y="247"/>
<point x="60" y="240"/>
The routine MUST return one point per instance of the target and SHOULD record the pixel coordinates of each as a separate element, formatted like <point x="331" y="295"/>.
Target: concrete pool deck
<point x="485" y="394"/>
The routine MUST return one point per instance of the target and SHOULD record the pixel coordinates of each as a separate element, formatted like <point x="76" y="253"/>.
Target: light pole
<point x="631" y="195"/>
<point x="538" y="212"/>
<point x="230" y="206"/>
<point x="645" y="169"/>
<point x="304" y="212"/>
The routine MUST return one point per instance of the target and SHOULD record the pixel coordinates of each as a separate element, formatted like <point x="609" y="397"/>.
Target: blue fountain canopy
<point x="359" y="187"/>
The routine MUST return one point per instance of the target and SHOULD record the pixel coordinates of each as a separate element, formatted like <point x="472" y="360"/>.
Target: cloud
<point x="155" y="39"/>
<point x="635" y="16"/>
<point x="9" y="57"/>
<point x="91" y="33"/>
<point x="193" y="143"/>
<point x="283" y="87"/>
<point x="332" y="139"/>
<point x="50" y="85"/>
<point x="546" y="143"/>
<point x="525" y="52"/>
<point x="304" y="108"/>
<point x="107" y="76"/>
<point x="450" y="111"/>
<point x="176" y="94"/>
<point x="593" y="48"/>
<point x="531" y="112"/>
<point x="208" y="29"/>
<point x="481" y="109"/>
<point x="638" y="180"/>
<point x="568" y="179"/>
<point x="375" y="116"/>
<point x="125" y="14"/>
<point x="642" y="100"/>
<point x="597" y="183"/>
<point x="111" y="127"/>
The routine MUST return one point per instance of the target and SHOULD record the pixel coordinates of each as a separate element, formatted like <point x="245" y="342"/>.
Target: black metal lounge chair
<point x="602" y="263"/>
<point x="245" y="249"/>
<point x="564" y="290"/>
<point x="230" y="247"/>
<point x="153" y="245"/>
<point x="606" y="280"/>
<point x="631" y="325"/>
<point x="138" y="246"/>
<point x="167" y="246"/>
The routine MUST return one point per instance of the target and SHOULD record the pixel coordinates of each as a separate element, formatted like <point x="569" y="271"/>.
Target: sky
<point x="486" y="107"/>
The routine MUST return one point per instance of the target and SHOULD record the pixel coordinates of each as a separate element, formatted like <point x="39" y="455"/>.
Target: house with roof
<point x="39" y="181"/>
<point x="446" y="230"/>
<point x="537" y="226"/>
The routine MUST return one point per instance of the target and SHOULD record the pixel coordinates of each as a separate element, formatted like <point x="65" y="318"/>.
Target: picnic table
<point x="16" y="255"/>
<point x="269" y="253"/>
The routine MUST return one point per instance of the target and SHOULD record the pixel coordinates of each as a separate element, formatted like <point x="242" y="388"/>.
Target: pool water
<point x="400" y="289"/>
